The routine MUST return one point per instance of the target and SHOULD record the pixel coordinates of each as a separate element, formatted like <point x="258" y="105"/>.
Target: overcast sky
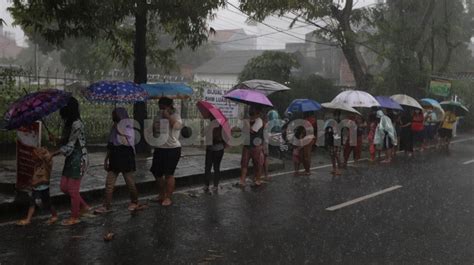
<point x="229" y="18"/>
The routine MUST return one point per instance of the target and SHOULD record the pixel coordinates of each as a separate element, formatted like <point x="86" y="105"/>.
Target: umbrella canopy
<point x="169" y="90"/>
<point x="429" y="102"/>
<point x="208" y="110"/>
<point x="267" y="87"/>
<point x="356" y="98"/>
<point x="248" y="97"/>
<point x="303" y="105"/>
<point x="406" y="100"/>
<point x="388" y="103"/>
<point x="459" y="109"/>
<point x="34" y="106"/>
<point x="115" y="92"/>
<point x="339" y="106"/>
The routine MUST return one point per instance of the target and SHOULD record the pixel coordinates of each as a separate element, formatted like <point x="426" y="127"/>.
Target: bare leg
<point x="169" y="189"/>
<point x="243" y="175"/>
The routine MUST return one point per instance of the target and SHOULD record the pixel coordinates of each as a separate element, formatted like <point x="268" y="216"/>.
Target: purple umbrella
<point x="388" y="103"/>
<point x="34" y="106"/>
<point x="248" y="97"/>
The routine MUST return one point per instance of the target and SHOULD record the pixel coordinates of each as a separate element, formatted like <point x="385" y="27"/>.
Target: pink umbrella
<point x="208" y="110"/>
<point x="248" y="97"/>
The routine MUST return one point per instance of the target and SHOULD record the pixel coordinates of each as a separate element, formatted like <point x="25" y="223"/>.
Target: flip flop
<point x="165" y="203"/>
<point x="22" y="223"/>
<point x="52" y="220"/>
<point x="70" y="222"/>
<point x="102" y="210"/>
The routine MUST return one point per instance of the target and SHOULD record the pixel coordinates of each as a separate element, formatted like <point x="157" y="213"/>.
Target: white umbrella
<point x="266" y="87"/>
<point x="356" y="98"/>
<point x="339" y="106"/>
<point x="406" y="100"/>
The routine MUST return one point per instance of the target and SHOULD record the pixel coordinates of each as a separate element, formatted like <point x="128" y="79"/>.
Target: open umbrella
<point x="429" y="102"/>
<point x="207" y="110"/>
<point x="267" y="87"/>
<point x="303" y="105"/>
<point x="388" y="103"/>
<point x="115" y="92"/>
<point x="459" y="109"/>
<point x="169" y="90"/>
<point x="356" y="98"/>
<point x="34" y="106"/>
<point x="248" y="97"/>
<point x="406" y="100"/>
<point x="339" y="106"/>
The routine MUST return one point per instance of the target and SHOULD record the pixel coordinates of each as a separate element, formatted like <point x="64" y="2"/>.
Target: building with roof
<point x="8" y="45"/>
<point x="233" y="39"/>
<point x="225" y="67"/>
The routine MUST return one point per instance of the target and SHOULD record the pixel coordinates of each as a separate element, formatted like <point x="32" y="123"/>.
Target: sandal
<point x="86" y="213"/>
<point x="52" y="220"/>
<point x="166" y="202"/>
<point x="132" y="207"/>
<point x="70" y="221"/>
<point x="102" y="210"/>
<point x="22" y="222"/>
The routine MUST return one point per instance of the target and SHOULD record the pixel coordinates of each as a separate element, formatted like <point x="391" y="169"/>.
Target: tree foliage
<point x="340" y="19"/>
<point x="271" y="65"/>
<point x="277" y="66"/>
<point x="418" y="38"/>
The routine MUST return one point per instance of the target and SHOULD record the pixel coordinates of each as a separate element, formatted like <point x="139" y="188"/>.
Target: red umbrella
<point x="208" y="110"/>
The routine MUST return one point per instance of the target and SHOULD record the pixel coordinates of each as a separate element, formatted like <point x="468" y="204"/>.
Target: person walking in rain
<point x="73" y="147"/>
<point x="166" y="156"/>
<point x="446" y="130"/>
<point x="120" y="158"/>
<point x="385" y="136"/>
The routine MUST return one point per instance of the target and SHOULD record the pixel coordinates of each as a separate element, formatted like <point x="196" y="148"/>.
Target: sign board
<point x="215" y="96"/>
<point x="28" y="138"/>
<point x="440" y="87"/>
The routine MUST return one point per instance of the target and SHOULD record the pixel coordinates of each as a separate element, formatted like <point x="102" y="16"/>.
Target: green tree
<point x="57" y="21"/>
<point x="418" y="38"/>
<point x="271" y="65"/>
<point x="340" y="18"/>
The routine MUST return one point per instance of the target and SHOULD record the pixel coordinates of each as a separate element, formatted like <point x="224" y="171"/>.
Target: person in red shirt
<point x="417" y="127"/>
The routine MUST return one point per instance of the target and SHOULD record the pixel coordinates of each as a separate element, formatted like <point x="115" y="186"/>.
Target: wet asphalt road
<point x="429" y="220"/>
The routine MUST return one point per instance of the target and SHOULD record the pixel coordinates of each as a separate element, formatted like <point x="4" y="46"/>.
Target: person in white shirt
<point x="166" y="156"/>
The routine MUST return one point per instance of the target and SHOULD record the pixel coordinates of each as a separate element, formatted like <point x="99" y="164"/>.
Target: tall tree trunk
<point x="361" y="78"/>
<point x="348" y="45"/>
<point x="140" y="71"/>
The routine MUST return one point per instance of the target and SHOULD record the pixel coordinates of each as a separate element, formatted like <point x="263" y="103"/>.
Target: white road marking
<point x="363" y="198"/>
<point x="468" y="162"/>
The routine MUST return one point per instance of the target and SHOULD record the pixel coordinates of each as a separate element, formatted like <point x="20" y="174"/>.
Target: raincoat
<point x="385" y="126"/>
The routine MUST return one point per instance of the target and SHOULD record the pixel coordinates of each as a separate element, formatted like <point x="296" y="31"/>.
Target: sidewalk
<point x="190" y="171"/>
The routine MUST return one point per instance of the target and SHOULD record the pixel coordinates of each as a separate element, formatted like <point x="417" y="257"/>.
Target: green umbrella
<point x="459" y="109"/>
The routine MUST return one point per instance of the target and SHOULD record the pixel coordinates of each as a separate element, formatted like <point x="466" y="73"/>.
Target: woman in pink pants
<point x="73" y="147"/>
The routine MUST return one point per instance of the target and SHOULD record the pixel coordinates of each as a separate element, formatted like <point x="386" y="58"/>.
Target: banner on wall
<point x="440" y="87"/>
<point x="27" y="139"/>
<point x="215" y="96"/>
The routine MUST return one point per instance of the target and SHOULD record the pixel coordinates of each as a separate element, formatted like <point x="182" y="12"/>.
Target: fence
<point x="15" y="82"/>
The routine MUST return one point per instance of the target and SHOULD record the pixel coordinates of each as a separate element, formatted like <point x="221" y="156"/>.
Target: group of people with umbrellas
<point x="393" y="122"/>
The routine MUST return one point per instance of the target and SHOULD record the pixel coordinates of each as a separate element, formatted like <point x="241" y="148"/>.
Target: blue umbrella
<point x="388" y="103"/>
<point x="170" y="90"/>
<point x="430" y="102"/>
<point x="303" y="105"/>
<point x="115" y="92"/>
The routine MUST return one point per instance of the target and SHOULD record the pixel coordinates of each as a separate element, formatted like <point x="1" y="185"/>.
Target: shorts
<point x="254" y="153"/>
<point x="165" y="161"/>
<point x="419" y="136"/>
<point x="429" y="132"/>
<point x="445" y="133"/>
<point x="40" y="199"/>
